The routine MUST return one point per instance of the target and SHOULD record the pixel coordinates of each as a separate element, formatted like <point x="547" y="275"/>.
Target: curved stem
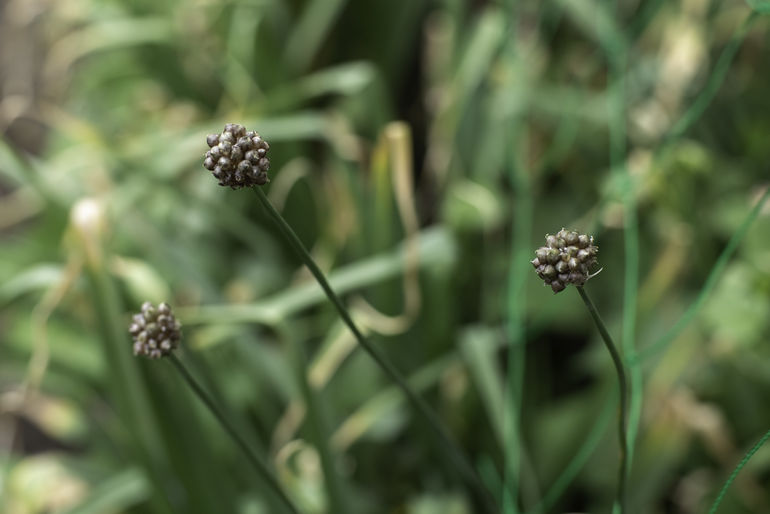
<point x="620" y="369"/>
<point x="449" y="445"/>
<point x="260" y="466"/>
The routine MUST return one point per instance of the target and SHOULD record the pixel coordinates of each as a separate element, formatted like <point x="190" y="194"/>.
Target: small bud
<point x="237" y="158"/>
<point x="557" y="287"/>
<point x="224" y="163"/>
<point x="566" y="259"/>
<point x="156" y="332"/>
<point x="225" y="147"/>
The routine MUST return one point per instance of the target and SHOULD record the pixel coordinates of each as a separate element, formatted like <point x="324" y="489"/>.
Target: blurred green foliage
<point x="645" y="122"/>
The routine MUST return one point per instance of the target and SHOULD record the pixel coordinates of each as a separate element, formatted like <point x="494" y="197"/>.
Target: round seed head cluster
<point x="565" y="259"/>
<point x="237" y="158"/>
<point x="155" y="330"/>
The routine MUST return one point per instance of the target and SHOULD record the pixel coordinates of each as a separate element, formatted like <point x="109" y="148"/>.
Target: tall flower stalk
<point x="566" y="259"/>
<point x="455" y="454"/>
<point x="237" y="159"/>
<point x="156" y="334"/>
<point x="623" y="418"/>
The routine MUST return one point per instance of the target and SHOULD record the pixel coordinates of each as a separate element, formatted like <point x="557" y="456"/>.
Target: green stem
<point x="260" y="466"/>
<point x="454" y="453"/>
<point x="737" y="470"/>
<point x="619" y="368"/>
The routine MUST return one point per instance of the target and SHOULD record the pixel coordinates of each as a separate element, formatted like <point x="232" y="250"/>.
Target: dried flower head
<point x="565" y="259"/>
<point x="155" y="330"/>
<point x="237" y="158"/>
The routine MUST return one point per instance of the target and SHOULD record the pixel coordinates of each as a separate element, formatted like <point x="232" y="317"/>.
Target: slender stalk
<point x="619" y="368"/>
<point x="449" y="445"/>
<point x="737" y="470"/>
<point x="260" y="466"/>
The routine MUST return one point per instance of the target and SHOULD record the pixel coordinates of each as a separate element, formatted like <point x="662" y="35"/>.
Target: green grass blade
<point x="516" y="307"/>
<point x="708" y="287"/>
<point x="737" y="470"/>
<point x="578" y="461"/>
<point x="437" y="248"/>
<point x="617" y="57"/>
<point x="307" y="34"/>
<point x="715" y="81"/>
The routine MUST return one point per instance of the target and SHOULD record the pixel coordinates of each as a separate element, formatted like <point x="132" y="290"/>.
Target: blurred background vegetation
<point x="422" y="150"/>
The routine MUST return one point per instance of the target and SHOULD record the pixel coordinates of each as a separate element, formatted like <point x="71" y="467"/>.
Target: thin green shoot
<point x="252" y="457"/>
<point x="622" y="420"/>
<point x="738" y="468"/>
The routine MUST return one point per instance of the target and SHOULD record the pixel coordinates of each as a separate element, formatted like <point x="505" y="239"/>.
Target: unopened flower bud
<point x="155" y="331"/>
<point x="566" y="259"/>
<point x="237" y="158"/>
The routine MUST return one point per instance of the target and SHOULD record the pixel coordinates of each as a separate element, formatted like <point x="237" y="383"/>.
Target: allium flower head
<point x="155" y="331"/>
<point x="237" y="158"/>
<point x="566" y="259"/>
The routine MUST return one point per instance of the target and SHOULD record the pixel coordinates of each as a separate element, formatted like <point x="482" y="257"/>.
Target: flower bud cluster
<point x="565" y="259"/>
<point x="237" y="158"/>
<point x="155" y="330"/>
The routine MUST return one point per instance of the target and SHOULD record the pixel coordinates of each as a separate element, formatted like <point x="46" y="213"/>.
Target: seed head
<point x="566" y="259"/>
<point x="155" y="331"/>
<point x="237" y="158"/>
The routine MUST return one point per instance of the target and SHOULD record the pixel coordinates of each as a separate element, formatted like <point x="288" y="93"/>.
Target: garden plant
<point x="267" y="257"/>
